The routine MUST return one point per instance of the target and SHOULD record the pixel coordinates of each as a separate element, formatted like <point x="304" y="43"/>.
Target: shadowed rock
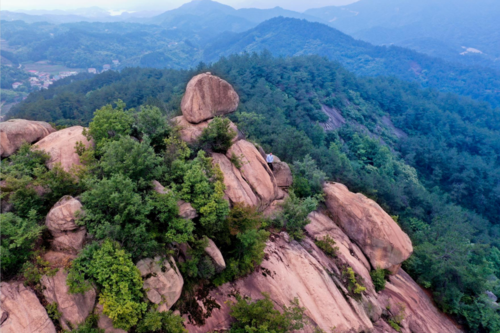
<point x="213" y="252"/>
<point x="208" y="96"/>
<point x="15" y="132"/>
<point x="186" y="210"/>
<point x="190" y="132"/>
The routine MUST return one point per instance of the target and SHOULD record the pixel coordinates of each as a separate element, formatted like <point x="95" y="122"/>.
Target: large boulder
<point x="186" y="210"/>
<point x="283" y="174"/>
<point x="369" y="226"/>
<point x="104" y="322"/>
<point x="190" y="132"/>
<point x="237" y="189"/>
<point x="74" y="308"/>
<point x="60" y="146"/>
<point x="61" y="223"/>
<point x="21" y="311"/>
<point x="15" y="132"/>
<point x="208" y="96"/>
<point x="213" y="252"/>
<point x="163" y="281"/>
<point x="290" y="271"/>
<point x="402" y="293"/>
<point x="255" y="171"/>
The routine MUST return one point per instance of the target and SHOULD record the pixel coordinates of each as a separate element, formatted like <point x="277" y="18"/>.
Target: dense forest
<point x="430" y="159"/>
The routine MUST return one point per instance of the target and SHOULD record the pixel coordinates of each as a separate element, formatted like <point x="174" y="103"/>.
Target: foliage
<point x="18" y="240"/>
<point x="327" y="245"/>
<point x="308" y="178"/>
<point x="134" y="160"/>
<point x="153" y="126"/>
<point x="218" y="135"/>
<point x="53" y="311"/>
<point x="109" y="124"/>
<point x="88" y="326"/>
<point x="395" y="318"/>
<point x="36" y="268"/>
<point x="164" y="322"/>
<point x="112" y="270"/>
<point x="294" y="214"/>
<point x="378" y="277"/>
<point x="260" y="316"/>
<point x="354" y="281"/>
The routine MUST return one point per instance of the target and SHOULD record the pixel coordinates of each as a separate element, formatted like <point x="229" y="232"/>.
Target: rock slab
<point x="74" y="308"/>
<point x="213" y="252"/>
<point x="21" y="310"/>
<point x="15" y="132"/>
<point x="60" y="146"/>
<point x="208" y="96"/>
<point x="163" y="283"/>
<point x="369" y="226"/>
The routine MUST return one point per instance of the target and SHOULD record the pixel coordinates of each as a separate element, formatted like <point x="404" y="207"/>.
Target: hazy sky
<point x="298" y="5"/>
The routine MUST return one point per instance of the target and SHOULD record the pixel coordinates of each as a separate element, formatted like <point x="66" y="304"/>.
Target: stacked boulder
<point x="252" y="182"/>
<point x="15" y="132"/>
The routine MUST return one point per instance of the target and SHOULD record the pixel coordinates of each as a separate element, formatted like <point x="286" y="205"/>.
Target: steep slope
<point x="439" y="28"/>
<point x="292" y="37"/>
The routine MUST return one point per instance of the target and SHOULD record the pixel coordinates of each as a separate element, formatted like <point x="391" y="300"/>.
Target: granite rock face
<point x="208" y="96"/>
<point x="21" y="311"/>
<point x="60" y="146"/>
<point x="213" y="252"/>
<point x="15" y="132"/>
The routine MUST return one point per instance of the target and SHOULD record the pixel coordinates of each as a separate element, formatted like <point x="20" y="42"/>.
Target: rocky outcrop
<point x="15" y="132"/>
<point x="74" y="308"/>
<point x="402" y="293"/>
<point x="369" y="226"/>
<point x="190" y="132"/>
<point x="104" y="322"/>
<point x="283" y="174"/>
<point x="208" y="96"/>
<point x="213" y="252"/>
<point x="21" y="311"/>
<point x="60" y="146"/>
<point x="186" y="210"/>
<point x="290" y="270"/>
<point x="58" y="259"/>
<point x="255" y="171"/>
<point x="237" y="189"/>
<point x="163" y="281"/>
<point x="61" y="223"/>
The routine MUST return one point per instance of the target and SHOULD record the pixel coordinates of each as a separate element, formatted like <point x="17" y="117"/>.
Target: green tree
<point x="218" y="135"/>
<point x="294" y="214"/>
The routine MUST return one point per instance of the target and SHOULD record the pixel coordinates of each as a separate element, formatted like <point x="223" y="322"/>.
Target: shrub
<point x="327" y="245"/>
<point x="53" y="311"/>
<point x="153" y="126"/>
<point x="378" y="277"/>
<point x="18" y="240"/>
<point x="218" y="135"/>
<point x="109" y="124"/>
<point x="34" y="270"/>
<point x="308" y="178"/>
<point x="242" y="218"/>
<point x="164" y="322"/>
<point x="260" y="316"/>
<point x="132" y="159"/>
<point x="112" y="270"/>
<point x="294" y="214"/>
<point x="354" y="282"/>
<point x="114" y="209"/>
<point x="89" y="326"/>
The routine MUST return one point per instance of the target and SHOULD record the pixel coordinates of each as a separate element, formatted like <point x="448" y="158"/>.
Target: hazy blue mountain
<point x="292" y="37"/>
<point x="456" y="30"/>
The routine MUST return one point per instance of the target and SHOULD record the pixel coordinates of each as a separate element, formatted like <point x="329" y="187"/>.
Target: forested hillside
<point x="430" y="159"/>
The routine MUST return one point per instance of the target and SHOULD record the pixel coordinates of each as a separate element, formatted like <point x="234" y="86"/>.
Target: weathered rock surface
<point x="15" y="132"/>
<point x="369" y="226"/>
<point x="274" y="208"/>
<point x="186" y="210"/>
<point x="283" y="174"/>
<point x="255" y="171"/>
<point x="190" y="132"/>
<point x="237" y="189"/>
<point x="164" y="284"/>
<point x="213" y="252"/>
<point x="61" y="223"/>
<point x="58" y="259"/>
<point x="60" y="146"/>
<point x="421" y="315"/>
<point x="208" y="96"/>
<point x="104" y="322"/>
<point x="291" y="271"/>
<point x="74" y="308"/>
<point x="23" y="310"/>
